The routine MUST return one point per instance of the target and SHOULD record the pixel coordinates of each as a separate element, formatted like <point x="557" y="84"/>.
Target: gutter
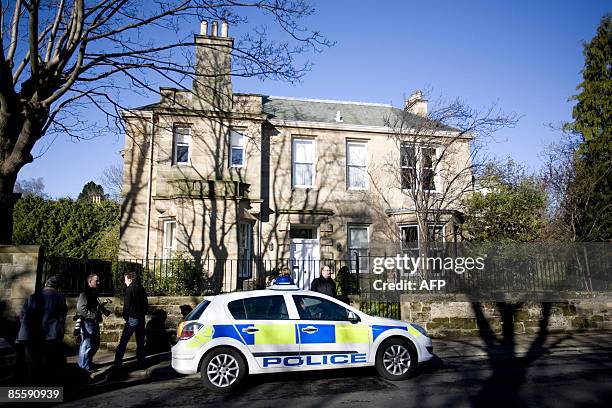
<point x="149" y="190"/>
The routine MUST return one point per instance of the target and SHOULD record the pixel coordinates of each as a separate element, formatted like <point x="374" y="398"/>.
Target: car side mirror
<point x="353" y="318"/>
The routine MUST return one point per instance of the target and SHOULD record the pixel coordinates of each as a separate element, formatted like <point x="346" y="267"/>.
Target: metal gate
<point x="375" y="302"/>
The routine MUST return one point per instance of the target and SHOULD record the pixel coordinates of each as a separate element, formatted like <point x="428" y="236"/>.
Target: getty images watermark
<point x="408" y="265"/>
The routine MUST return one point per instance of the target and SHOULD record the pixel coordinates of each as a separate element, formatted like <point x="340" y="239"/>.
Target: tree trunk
<point x="7" y="202"/>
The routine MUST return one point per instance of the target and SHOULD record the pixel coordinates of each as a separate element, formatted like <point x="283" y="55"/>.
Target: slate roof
<point x="312" y="110"/>
<point x="325" y="111"/>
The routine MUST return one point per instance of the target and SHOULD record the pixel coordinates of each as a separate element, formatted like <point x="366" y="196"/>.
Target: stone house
<point x="214" y="174"/>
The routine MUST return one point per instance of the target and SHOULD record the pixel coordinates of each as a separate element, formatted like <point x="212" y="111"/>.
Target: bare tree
<point x="34" y="186"/>
<point x="440" y="152"/>
<point x="62" y="57"/>
<point x="569" y="193"/>
<point x="111" y="180"/>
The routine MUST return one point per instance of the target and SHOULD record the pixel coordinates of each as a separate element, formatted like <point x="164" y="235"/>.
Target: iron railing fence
<point x="211" y="276"/>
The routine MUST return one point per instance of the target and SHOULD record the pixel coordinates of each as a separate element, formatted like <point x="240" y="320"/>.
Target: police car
<point x="284" y="329"/>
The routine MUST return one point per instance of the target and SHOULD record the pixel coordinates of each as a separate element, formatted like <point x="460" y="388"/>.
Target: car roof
<point x="264" y="292"/>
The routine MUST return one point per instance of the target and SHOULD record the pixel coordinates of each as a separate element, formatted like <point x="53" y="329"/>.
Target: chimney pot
<point x="224" y="29"/>
<point x="204" y="27"/>
<point x="416" y="104"/>
<point x="214" y="29"/>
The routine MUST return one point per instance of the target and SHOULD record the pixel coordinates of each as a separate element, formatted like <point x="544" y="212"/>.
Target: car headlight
<point x="419" y="329"/>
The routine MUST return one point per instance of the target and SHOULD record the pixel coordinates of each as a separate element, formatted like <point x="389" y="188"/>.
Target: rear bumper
<point x="184" y="365"/>
<point x="184" y="360"/>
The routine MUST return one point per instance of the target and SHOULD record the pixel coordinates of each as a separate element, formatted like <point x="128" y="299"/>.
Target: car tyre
<point x="396" y="359"/>
<point x="223" y="369"/>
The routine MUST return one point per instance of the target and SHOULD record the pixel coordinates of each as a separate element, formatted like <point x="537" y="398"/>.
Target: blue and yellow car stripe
<point x="293" y="333"/>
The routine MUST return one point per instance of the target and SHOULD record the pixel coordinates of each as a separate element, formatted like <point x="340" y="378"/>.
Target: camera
<point x="77" y="325"/>
<point x="102" y="309"/>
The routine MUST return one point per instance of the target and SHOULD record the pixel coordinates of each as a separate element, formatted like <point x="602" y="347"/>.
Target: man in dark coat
<point x="89" y="309"/>
<point x="324" y="283"/>
<point x="43" y="318"/>
<point x="135" y="305"/>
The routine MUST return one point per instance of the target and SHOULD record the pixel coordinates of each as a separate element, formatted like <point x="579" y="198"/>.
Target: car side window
<point x="259" y="308"/>
<point x="315" y="308"/>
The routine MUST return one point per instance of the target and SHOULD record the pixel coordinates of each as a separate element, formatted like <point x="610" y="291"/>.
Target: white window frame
<point x="443" y="231"/>
<point x="364" y="165"/>
<point x="168" y="251"/>
<point x="176" y="144"/>
<point x="351" y="249"/>
<point x="402" y="166"/>
<point x="402" y="237"/>
<point x="418" y="165"/>
<point x="233" y="147"/>
<point x="293" y="162"/>
<point x="433" y="166"/>
<point x="416" y="226"/>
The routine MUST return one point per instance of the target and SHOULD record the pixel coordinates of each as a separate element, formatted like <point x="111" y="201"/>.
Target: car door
<point x="264" y="326"/>
<point x="327" y="338"/>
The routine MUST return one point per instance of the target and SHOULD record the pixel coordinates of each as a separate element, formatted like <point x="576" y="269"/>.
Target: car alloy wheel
<point x="396" y="360"/>
<point x="223" y="370"/>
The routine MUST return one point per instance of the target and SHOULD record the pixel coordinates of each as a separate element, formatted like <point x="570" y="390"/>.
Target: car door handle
<point x="250" y="330"/>
<point x="310" y="329"/>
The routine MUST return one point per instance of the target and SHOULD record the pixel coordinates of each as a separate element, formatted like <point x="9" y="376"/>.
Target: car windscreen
<point x="197" y="312"/>
<point x="259" y="308"/>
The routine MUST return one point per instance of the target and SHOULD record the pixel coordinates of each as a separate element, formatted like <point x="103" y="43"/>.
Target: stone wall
<point x="455" y="316"/>
<point x="162" y="320"/>
<point x="18" y="279"/>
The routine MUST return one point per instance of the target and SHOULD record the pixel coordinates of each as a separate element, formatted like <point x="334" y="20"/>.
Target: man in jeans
<point x="135" y="305"/>
<point x="88" y="308"/>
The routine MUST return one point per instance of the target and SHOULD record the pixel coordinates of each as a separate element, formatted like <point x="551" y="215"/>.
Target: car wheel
<point x="223" y="369"/>
<point x="396" y="359"/>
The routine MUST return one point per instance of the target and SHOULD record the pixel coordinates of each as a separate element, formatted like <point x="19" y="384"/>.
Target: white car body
<point x="292" y="344"/>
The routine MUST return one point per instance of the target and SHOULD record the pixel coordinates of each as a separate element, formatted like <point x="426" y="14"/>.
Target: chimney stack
<point x="212" y="83"/>
<point x="416" y="104"/>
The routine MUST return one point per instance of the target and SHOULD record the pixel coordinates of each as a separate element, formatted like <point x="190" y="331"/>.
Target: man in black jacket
<point x="324" y="283"/>
<point x="135" y="305"/>
<point x="43" y="318"/>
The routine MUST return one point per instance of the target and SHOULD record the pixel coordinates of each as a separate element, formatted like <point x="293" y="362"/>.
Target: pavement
<point x="454" y="356"/>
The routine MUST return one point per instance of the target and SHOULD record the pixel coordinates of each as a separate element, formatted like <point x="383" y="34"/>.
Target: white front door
<point x="305" y="261"/>
<point x="245" y="238"/>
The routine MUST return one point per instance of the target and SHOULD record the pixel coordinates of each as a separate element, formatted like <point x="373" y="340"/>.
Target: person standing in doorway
<point x="135" y="306"/>
<point x="324" y="283"/>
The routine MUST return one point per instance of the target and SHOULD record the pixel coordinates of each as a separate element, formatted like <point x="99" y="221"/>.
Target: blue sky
<point x="524" y="55"/>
